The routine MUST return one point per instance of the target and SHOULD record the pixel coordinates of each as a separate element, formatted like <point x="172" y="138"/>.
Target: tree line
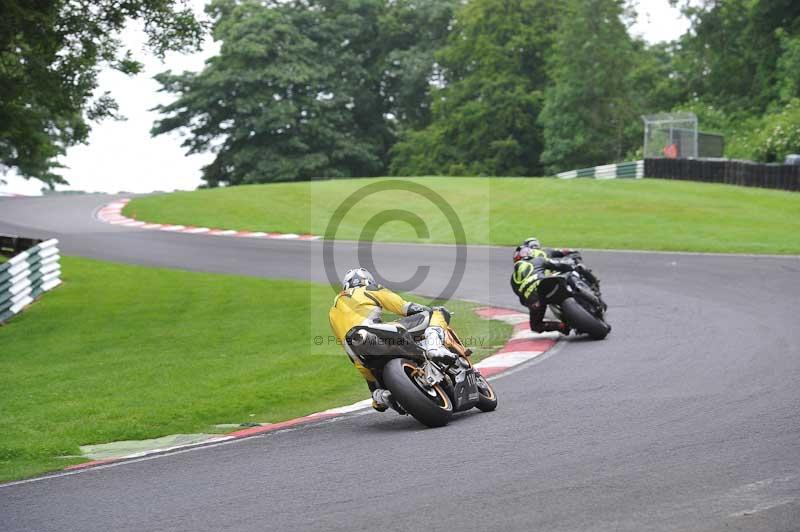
<point x="51" y="52"/>
<point x="305" y="89"/>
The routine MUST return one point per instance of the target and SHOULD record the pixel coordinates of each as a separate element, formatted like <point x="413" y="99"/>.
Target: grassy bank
<point x="619" y="214"/>
<point x="127" y="353"/>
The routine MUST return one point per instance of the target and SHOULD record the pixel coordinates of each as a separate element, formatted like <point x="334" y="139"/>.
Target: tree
<point x="50" y="54"/>
<point x="731" y="58"/>
<point x="739" y="64"/>
<point x="655" y="89"/>
<point x="788" y="67"/>
<point x="484" y="117"/>
<point x="412" y="31"/>
<point x="305" y="89"/>
<point x="588" y="105"/>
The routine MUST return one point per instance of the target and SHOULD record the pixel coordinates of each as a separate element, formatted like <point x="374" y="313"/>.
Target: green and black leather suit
<point x="526" y="280"/>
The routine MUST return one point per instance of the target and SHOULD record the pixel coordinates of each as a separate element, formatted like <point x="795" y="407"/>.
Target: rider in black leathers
<point x="552" y="253"/>
<point x="531" y="266"/>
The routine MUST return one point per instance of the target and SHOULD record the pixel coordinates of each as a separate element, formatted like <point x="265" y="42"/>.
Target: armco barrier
<point x="630" y="170"/>
<point x="28" y="274"/>
<point x="730" y="172"/>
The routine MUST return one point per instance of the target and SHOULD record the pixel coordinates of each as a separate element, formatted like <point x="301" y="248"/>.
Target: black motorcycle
<point x="574" y="297"/>
<point x="587" y="276"/>
<point x="428" y="390"/>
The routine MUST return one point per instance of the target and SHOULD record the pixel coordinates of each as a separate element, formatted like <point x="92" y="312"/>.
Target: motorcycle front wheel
<point x="430" y="405"/>
<point x="487" y="399"/>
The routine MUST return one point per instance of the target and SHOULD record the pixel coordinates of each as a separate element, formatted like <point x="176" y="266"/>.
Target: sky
<point x="122" y="156"/>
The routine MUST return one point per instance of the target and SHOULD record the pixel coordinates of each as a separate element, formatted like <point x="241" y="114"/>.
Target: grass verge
<point x="124" y="352"/>
<point x="648" y="214"/>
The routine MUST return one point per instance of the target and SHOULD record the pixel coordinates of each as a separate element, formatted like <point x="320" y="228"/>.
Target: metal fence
<point x="34" y="268"/>
<point x="670" y="135"/>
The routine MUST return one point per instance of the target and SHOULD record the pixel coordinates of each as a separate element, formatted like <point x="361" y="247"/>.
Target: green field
<point x="615" y="214"/>
<point x="127" y="353"/>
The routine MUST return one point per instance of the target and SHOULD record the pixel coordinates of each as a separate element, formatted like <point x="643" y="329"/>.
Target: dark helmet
<point x="522" y="253"/>
<point x="532" y="242"/>
<point x="357" y="277"/>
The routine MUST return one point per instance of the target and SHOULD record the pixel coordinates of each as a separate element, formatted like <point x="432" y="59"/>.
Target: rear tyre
<point x="430" y="406"/>
<point x="487" y="399"/>
<point x="581" y="320"/>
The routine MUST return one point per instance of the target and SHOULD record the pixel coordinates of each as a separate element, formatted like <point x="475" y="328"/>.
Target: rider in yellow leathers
<point x="361" y="304"/>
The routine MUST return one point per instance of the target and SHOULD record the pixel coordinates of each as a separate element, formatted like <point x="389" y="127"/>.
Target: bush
<point x="779" y="135"/>
<point x="767" y="138"/>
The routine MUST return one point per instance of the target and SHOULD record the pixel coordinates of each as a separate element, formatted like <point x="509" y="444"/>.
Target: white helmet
<point x="357" y="277"/>
<point x="531" y="242"/>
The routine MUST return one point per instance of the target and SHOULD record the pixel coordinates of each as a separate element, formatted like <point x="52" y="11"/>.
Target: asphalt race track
<point x="687" y="418"/>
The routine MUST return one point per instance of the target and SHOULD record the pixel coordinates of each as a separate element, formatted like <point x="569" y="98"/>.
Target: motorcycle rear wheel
<point x="430" y="405"/>
<point x="581" y="320"/>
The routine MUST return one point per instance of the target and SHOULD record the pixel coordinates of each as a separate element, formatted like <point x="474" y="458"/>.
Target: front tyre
<point x="430" y="406"/>
<point x="487" y="399"/>
<point x="581" y="320"/>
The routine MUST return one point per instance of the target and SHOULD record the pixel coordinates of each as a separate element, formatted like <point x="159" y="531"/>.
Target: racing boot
<point x="564" y="329"/>
<point x="435" y="349"/>
<point x="380" y="399"/>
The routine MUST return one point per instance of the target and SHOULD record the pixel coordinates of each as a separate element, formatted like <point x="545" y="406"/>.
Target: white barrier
<point x="27" y="275"/>
<point x="630" y="170"/>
